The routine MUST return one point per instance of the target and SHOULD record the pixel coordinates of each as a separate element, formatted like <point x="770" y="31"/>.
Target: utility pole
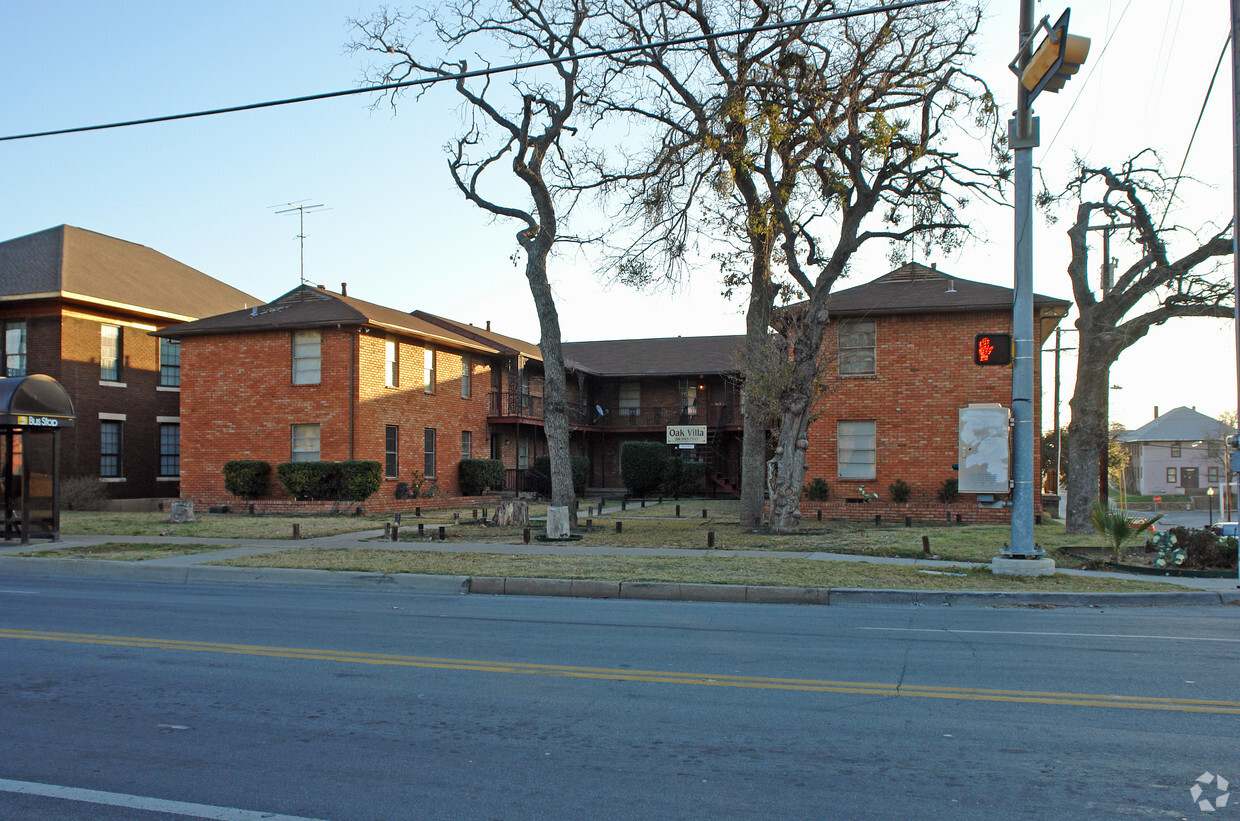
<point x="1045" y="69"/>
<point x="1059" y="349"/>
<point x="1023" y="137"/>
<point x="1108" y="282"/>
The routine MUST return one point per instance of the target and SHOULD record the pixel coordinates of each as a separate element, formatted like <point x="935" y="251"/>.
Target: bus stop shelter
<point x="33" y="411"/>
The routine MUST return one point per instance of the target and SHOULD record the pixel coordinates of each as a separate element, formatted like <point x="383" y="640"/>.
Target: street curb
<point x="584" y="588"/>
<point x="760" y="594"/>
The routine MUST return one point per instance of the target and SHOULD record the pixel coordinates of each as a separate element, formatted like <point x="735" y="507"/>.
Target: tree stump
<point x="182" y="511"/>
<point x="511" y="513"/>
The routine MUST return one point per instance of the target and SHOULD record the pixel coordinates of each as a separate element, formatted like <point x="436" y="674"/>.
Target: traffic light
<point x="992" y="349"/>
<point x="1058" y="58"/>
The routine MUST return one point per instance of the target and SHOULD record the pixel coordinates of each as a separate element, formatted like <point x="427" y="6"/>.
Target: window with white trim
<point x="467" y="444"/>
<point x="170" y="449"/>
<point x="428" y="370"/>
<point x="305" y="443"/>
<point x="389" y="363"/>
<point x="14" y="341"/>
<point x="856" y="352"/>
<point x="391" y="460"/>
<point x="428" y="459"/>
<point x="467" y="366"/>
<point x="169" y="363"/>
<point x="110" y="353"/>
<point x="307" y="357"/>
<point x="111" y="434"/>
<point x="856" y="449"/>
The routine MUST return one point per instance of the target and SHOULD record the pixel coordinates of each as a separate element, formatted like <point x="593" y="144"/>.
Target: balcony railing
<point x="595" y="416"/>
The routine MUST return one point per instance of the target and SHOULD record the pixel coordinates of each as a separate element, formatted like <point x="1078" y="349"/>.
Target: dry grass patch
<point x="789" y="571"/>
<point x="121" y="552"/>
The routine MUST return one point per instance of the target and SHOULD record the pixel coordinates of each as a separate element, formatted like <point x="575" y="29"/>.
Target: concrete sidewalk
<point x="197" y="568"/>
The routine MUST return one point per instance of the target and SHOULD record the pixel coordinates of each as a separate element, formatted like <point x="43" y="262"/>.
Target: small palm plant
<point x="1115" y="524"/>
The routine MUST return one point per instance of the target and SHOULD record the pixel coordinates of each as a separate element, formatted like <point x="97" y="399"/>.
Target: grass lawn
<point x="120" y="552"/>
<point x="791" y="571"/>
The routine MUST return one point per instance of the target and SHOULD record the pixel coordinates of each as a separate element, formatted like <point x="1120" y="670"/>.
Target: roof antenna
<point x="290" y="207"/>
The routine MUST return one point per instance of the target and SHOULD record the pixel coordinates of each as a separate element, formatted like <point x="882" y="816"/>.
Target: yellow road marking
<point x="648" y="676"/>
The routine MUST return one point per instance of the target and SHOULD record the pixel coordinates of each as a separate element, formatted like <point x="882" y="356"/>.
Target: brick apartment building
<point x="898" y="368"/>
<point x="319" y="375"/>
<point x="80" y="307"/>
<point x="315" y="375"/>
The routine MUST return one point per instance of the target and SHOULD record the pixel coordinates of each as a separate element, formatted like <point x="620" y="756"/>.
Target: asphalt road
<point x="247" y="702"/>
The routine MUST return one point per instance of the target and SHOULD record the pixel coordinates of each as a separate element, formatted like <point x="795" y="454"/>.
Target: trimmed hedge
<point x="642" y="465"/>
<point x="317" y="481"/>
<point x="360" y="478"/>
<point x="477" y="475"/>
<point x="247" y="478"/>
<point x="682" y="478"/>
<point x="541" y="468"/>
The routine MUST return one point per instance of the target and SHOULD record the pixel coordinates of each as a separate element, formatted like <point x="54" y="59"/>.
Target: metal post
<point x="1023" y="134"/>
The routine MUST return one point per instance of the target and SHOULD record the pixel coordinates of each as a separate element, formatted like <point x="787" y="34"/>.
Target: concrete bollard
<point x="619" y="526"/>
<point x="710" y="538"/>
<point x="296" y="531"/>
<point x="925" y="546"/>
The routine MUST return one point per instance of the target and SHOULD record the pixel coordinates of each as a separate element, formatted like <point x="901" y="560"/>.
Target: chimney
<point x="344" y="289"/>
<point x="934" y="266"/>
<point x="488" y="324"/>
<point x="1155" y="411"/>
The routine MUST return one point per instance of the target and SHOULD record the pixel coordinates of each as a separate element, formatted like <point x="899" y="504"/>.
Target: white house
<point x="1176" y="452"/>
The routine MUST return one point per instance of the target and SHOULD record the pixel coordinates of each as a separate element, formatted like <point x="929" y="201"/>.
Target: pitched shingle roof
<point x="657" y="357"/>
<point x="1178" y="425"/>
<point x="307" y="307"/>
<point x="914" y="288"/>
<point x="504" y="344"/>
<point x="72" y="263"/>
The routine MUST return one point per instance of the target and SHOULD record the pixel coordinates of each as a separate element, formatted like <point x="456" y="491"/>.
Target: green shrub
<point x="360" y="478"/>
<point x="311" y="480"/>
<point x="818" y="490"/>
<point x="580" y="466"/>
<point x="949" y="490"/>
<point x="682" y="478"/>
<point x="478" y="475"/>
<point x="641" y="466"/>
<point x="247" y="478"/>
<point x="900" y="490"/>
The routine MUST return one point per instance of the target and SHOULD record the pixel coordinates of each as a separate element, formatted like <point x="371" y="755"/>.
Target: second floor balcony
<point x="529" y="407"/>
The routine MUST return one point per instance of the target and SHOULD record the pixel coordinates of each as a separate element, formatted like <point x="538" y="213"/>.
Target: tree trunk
<point x="555" y="388"/>
<point x="1087" y="433"/>
<point x="753" y="435"/>
<point x="786" y="470"/>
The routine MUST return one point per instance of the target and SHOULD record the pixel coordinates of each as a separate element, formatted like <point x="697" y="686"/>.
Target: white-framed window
<point x="391" y="460"/>
<point x="630" y="402"/>
<point x="856" y="347"/>
<point x="307" y="357"/>
<point x="857" y="451"/>
<point x="169" y="449"/>
<point x="523" y="454"/>
<point x="169" y="363"/>
<point x="1172" y="478"/>
<point x="467" y="444"/>
<point x="110" y="353"/>
<point x="467" y="366"/>
<point x="390" y="372"/>
<point x="428" y="370"/>
<point x="111" y="438"/>
<point x="428" y="451"/>
<point x="1212" y="474"/>
<point x="1176" y="451"/>
<point x="305" y="443"/>
<point x="14" y="341"/>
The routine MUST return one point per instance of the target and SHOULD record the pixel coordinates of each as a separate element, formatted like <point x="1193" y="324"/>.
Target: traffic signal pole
<point x="1023" y="137"/>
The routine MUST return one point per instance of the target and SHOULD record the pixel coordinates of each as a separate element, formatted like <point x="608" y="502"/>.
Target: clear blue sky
<point x="400" y="234"/>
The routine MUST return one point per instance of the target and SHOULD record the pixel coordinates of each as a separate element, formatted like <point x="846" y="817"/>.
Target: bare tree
<point x="1152" y="290"/>
<point x="522" y="121"/>
<point x="797" y="141"/>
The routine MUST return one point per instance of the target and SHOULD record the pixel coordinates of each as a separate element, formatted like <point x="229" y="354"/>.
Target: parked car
<point x="1227" y="529"/>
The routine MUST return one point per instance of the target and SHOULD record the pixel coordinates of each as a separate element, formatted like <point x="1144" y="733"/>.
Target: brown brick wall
<point x="230" y="412"/>
<point x="925" y="375"/>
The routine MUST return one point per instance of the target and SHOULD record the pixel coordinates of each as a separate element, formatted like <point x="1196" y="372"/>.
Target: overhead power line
<point x="484" y="72"/>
